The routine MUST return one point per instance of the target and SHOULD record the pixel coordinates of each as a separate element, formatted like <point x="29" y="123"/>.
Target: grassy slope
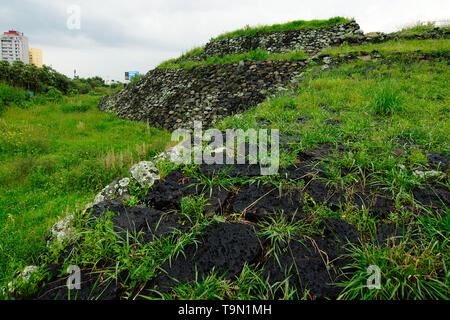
<point x="374" y="109"/>
<point x="426" y="46"/>
<point x="53" y="159"/>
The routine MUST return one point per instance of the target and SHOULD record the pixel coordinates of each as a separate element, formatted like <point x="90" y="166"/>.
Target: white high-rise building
<point x="14" y="46"/>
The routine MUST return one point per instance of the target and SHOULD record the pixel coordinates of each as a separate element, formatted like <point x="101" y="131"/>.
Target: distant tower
<point x="13" y="47"/>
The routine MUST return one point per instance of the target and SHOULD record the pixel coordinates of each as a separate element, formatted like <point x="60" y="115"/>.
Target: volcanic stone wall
<point x="173" y="98"/>
<point x="308" y="40"/>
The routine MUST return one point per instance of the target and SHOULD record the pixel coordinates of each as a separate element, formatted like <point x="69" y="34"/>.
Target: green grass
<point x="54" y="158"/>
<point x="386" y="100"/>
<point x="411" y="269"/>
<point x="426" y="46"/>
<point x="347" y="95"/>
<point x="419" y="28"/>
<point x="252" y="55"/>
<point x="293" y="25"/>
<point x="249" y="285"/>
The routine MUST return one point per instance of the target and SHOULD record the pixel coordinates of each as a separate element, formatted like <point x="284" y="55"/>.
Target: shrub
<point x="54" y="94"/>
<point x="10" y="95"/>
<point x="72" y="92"/>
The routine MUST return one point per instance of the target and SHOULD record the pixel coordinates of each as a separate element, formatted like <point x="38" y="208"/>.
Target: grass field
<point x="54" y="157"/>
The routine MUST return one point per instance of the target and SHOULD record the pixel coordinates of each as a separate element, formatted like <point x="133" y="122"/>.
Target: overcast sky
<point x="124" y="35"/>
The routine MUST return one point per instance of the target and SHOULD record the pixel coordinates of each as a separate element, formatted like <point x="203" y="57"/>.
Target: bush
<point x="54" y="94"/>
<point x="72" y="92"/>
<point x="10" y="95"/>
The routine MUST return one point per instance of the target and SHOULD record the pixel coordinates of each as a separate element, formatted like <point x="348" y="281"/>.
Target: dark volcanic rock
<point x="340" y="231"/>
<point x="434" y="197"/>
<point x="303" y="171"/>
<point x="389" y="233"/>
<point x="216" y="199"/>
<point x="303" y="119"/>
<point x="224" y="247"/>
<point x="322" y="194"/>
<point x="332" y="122"/>
<point x="438" y="161"/>
<point x="379" y="202"/>
<point x="148" y="221"/>
<point x="232" y="170"/>
<point x="167" y="193"/>
<point x="383" y="205"/>
<point x="258" y="202"/>
<point x="321" y="152"/>
<point x="314" y="264"/>
<point x="92" y="288"/>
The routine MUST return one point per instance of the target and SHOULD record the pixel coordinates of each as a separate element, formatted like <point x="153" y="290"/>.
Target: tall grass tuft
<point x="386" y="100"/>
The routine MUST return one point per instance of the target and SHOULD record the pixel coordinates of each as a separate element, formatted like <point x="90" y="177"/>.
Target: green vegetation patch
<point x="293" y="25"/>
<point x="420" y="28"/>
<point x="54" y="158"/>
<point x="404" y="46"/>
<point x="252" y="55"/>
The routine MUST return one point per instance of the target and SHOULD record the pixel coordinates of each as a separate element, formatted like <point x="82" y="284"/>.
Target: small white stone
<point x="426" y="174"/>
<point x="28" y="271"/>
<point x="62" y="230"/>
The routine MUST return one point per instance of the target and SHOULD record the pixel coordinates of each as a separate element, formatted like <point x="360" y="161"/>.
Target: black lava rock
<point x="258" y="202"/>
<point x="223" y="247"/>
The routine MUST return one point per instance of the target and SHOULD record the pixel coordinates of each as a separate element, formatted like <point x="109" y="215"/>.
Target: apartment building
<point x="14" y="46"/>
